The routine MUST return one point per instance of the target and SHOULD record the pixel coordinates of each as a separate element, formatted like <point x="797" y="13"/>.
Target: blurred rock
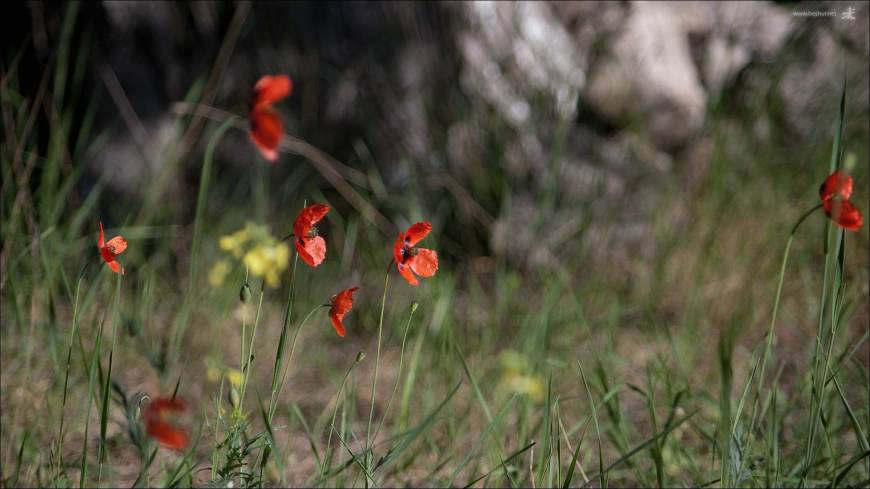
<point x="527" y="118"/>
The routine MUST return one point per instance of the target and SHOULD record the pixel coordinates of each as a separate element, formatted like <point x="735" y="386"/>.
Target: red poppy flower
<point x="422" y="261"/>
<point x="835" y="193"/>
<point x="156" y="413"/>
<point x="310" y="246"/>
<point x="109" y="250"/>
<point x="837" y="184"/>
<point x="843" y="213"/>
<point x="341" y="305"/>
<point x="266" y="125"/>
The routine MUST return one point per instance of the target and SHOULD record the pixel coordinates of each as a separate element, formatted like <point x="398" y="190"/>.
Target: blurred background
<point x="612" y="181"/>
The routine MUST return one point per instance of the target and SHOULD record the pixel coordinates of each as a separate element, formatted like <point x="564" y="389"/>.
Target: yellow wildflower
<point x="212" y="374"/>
<point x="234" y="376"/>
<point x="262" y="254"/>
<point x="218" y="273"/>
<point x="525" y="385"/>
<point x="256" y="262"/>
<point x="518" y="377"/>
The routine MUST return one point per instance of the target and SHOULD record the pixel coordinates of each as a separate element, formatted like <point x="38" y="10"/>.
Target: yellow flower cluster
<point x="262" y="254"/>
<point x="517" y="377"/>
<point x="215" y="370"/>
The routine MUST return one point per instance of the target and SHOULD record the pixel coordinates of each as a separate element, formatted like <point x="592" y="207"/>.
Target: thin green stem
<point x="770" y="331"/>
<point x="369" y="441"/>
<point x="92" y="371"/>
<point x="399" y="373"/>
<point x="279" y="353"/>
<point x="66" y="375"/>
<point x="104" y="418"/>
<point x="246" y="361"/>
<point x="328" y="453"/>
<point x="779" y="293"/>
<point x="286" y="370"/>
<point x="244" y="332"/>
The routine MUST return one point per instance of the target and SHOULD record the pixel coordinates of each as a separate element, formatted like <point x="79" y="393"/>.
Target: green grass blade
<point x="602" y="472"/>
<point x="502" y="465"/>
<point x="570" y="474"/>
<point x="643" y="445"/>
<point x="489" y="428"/>
<point x="415" y="433"/>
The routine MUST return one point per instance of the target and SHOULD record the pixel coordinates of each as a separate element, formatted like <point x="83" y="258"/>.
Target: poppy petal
<point x="308" y="217"/>
<point x="167" y="435"/>
<point x="159" y="429"/>
<point x="101" y="238"/>
<point x="171" y="404"/>
<point x="116" y="245"/>
<point x="336" y="323"/>
<point x="271" y="88"/>
<point x="115" y="266"/>
<point x="266" y="132"/>
<point x="107" y="254"/>
<point x="424" y="263"/>
<point x="343" y="301"/>
<point x="837" y="184"/>
<point x="405" y="271"/>
<point x="311" y="250"/>
<point x="844" y="213"/>
<point x="417" y="232"/>
<point x="303" y="253"/>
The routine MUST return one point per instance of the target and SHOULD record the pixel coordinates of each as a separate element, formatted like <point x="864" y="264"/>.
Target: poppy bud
<point x="360" y="356"/>
<point x="245" y="293"/>
<point x="414" y="306"/>
<point x="233" y="397"/>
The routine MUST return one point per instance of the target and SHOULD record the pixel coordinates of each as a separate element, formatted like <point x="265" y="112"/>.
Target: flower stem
<point x="328" y="454"/>
<point x="369" y="441"/>
<point x="246" y="361"/>
<point x="279" y="354"/>
<point x="276" y="394"/>
<point x="242" y="343"/>
<point x="769" y="344"/>
<point x="399" y="373"/>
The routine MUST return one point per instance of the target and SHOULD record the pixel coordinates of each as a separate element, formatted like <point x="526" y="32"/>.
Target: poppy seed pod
<point x="233" y="397"/>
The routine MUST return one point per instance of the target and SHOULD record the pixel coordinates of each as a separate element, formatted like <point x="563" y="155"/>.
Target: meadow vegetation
<point x="735" y="353"/>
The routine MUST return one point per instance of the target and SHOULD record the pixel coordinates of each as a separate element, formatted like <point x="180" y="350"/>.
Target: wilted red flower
<point x="109" y="250"/>
<point x="422" y="261"/>
<point x="341" y="305"/>
<point x="310" y="246"/>
<point x="835" y="193"/>
<point x="156" y="413"/>
<point x="266" y="125"/>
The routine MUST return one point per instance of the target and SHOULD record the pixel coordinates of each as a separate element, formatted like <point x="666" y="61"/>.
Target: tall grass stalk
<point x="182" y="321"/>
<point x="327" y="456"/>
<point x="601" y="472"/>
<point x="104" y="418"/>
<point x="72" y="334"/>
<point x="771" y="329"/>
<point x="92" y="372"/>
<point x="832" y="258"/>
